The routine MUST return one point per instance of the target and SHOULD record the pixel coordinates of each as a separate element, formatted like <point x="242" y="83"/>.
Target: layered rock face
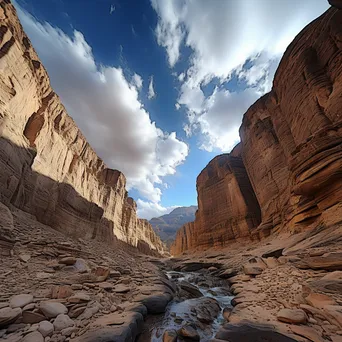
<point x="227" y="206"/>
<point x="47" y="168"/>
<point x="291" y="137"/>
<point x="291" y="148"/>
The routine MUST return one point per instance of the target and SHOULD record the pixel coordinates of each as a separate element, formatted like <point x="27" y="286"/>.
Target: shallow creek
<point x="198" y="306"/>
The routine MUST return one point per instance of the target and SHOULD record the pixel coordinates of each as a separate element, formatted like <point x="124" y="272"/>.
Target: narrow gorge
<point x="262" y="261"/>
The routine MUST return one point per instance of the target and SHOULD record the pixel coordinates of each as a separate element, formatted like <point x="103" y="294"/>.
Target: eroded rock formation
<point x="47" y="168"/>
<point x="291" y="150"/>
<point x="227" y="206"/>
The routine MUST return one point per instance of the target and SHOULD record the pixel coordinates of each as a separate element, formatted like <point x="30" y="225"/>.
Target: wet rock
<point x="250" y="332"/>
<point x="32" y="317"/>
<point x="227" y="312"/>
<point x="155" y="304"/>
<point x="8" y="316"/>
<point x="63" y="321"/>
<point x="34" y="336"/>
<point x="191" y="289"/>
<point x="189" y="332"/>
<point x="228" y="273"/>
<point x="295" y="316"/>
<point x="20" y="300"/>
<point x="52" y="309"/>
<point x="45" y="328"/>
<point x="170" y="336"/>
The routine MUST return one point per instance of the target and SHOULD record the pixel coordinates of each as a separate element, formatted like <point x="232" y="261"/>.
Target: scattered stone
<point x="189" y="332"/>
<point x="32" y="317"/>
<point x="170" y="336"/>
<point x="8" y="316"/>
<point x="106" y="286"/>
<point x="79" y="297"/>
<point x="120" y="288"/>
<point x="295" y="316"/>
<point x="63" y="321"/>
<point x="24" y="257"/>
<point x="68" y="261"/>
<point x="45" y="328"/>
<point x="34" y="336"/>
<point x="52" y="309"/>
<point x="59" y="292"/>
<point x="20" y="300"/>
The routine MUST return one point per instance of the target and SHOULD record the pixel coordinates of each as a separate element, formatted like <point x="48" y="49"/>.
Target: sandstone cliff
<point x="227" y="206"/>
<point x="47" y="168"/>
<point x="290" y="147"/>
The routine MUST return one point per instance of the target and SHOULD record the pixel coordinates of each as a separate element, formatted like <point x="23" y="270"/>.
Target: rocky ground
<point x="53" y="288"/>
<point x="288" y="284"/>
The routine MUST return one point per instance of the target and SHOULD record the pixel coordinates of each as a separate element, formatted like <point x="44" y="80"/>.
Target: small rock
<point x="15" y="327"/>
<point x="189" y="332"/>
<point x="32" y="317"/>
<point x="43" y="275"/>
<point x="121" y="288"/>
<point x="68" y="261"/>
<point x="106" y="286"/>
<point x="63" y="321"/>
<point x="34" y="336"/>
<point x="24" y="257"/>
<point x="20" y="300"/>
<point x="296" y="316"/>
<point x="52" y="309"/>
<point x="68" y="331"/>
<point x="31" y="306"/>
<point x="79" y="297"/>
<point x="45" y="328"/>
<point x="81" y="266"/>
<point x="170" y="336"/>
<point x="59" y="292"/>
<point x="252" y="270"/>
<point x="8" y="316"/>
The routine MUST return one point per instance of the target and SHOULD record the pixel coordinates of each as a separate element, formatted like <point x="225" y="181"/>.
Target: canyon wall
<point x="291" y="149"/>
<point x="47" y="168"/>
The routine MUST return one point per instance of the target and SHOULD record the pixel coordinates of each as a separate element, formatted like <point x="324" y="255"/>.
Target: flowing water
<point x="181" y="310"/>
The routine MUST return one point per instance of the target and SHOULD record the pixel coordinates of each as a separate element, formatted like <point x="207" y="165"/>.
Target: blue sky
<point x="159" y="87"/>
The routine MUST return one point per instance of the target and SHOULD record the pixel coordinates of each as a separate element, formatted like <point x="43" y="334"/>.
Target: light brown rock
<point x="295" y="316"/>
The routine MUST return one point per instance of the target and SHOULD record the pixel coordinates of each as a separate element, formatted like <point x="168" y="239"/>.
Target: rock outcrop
<point x="47" y="168"/>
<point x="227" y="206"/>
<point x="290" y="147"/>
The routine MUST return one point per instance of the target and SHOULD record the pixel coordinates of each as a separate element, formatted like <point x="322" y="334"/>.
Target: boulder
<point x="46" y="328"/>
<point x="52" y="309"/>
<point x="295" y="316"/>
<point x="8" y="316"/>
<point x="34" y="336"/>
<point x="21" y="300"/>
<point x="63" y="321"/>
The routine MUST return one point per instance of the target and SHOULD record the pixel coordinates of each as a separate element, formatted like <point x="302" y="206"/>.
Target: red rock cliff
<point x="227" y="206"/>
<point x="47" y="167"/>
<point x="291" y="147"/>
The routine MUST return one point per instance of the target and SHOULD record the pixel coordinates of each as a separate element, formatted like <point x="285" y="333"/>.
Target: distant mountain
<point x="167" y="225"/>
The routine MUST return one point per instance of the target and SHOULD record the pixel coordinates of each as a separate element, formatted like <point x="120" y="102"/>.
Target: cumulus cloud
<point x="149" y="210"/>
<point x="106" y="106"/>
<point x="137" y="81"/>
<point x="151" y="93"/>
<point x="243" y="39"/>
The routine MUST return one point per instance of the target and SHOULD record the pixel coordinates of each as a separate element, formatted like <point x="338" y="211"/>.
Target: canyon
<point x="285" y="175"/>
<point x="47" y="168"/>
<point x="261" y="261"/>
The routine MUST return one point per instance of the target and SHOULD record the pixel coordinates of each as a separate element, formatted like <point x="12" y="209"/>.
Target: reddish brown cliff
<point x="227" y="206"/>
<point x="47" y="168"/>
<point x="291" y="147"/>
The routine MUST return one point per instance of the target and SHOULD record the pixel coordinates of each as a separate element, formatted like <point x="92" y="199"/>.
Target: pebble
<point x="46" y="328"/>
<point x="63" y="321"/>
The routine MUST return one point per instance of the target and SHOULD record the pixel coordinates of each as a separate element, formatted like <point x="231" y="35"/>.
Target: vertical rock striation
<point x="47" y="168"/>
<point x="291" y="149"/>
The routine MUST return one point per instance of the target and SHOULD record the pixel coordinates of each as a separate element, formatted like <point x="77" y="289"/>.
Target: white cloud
<point x="112" y="9"/>
<point x="137" y="81"/>
<point x="151" y="93"/>
<point x="106" y="107"/>
<point x="149" y="210"/>
<point x="245" y="38"/>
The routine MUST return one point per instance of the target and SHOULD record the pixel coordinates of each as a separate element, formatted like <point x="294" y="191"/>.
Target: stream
<point x="197" y="309"/>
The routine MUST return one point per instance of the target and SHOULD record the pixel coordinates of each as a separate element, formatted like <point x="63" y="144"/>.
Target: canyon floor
<point x="54" y="288"/>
